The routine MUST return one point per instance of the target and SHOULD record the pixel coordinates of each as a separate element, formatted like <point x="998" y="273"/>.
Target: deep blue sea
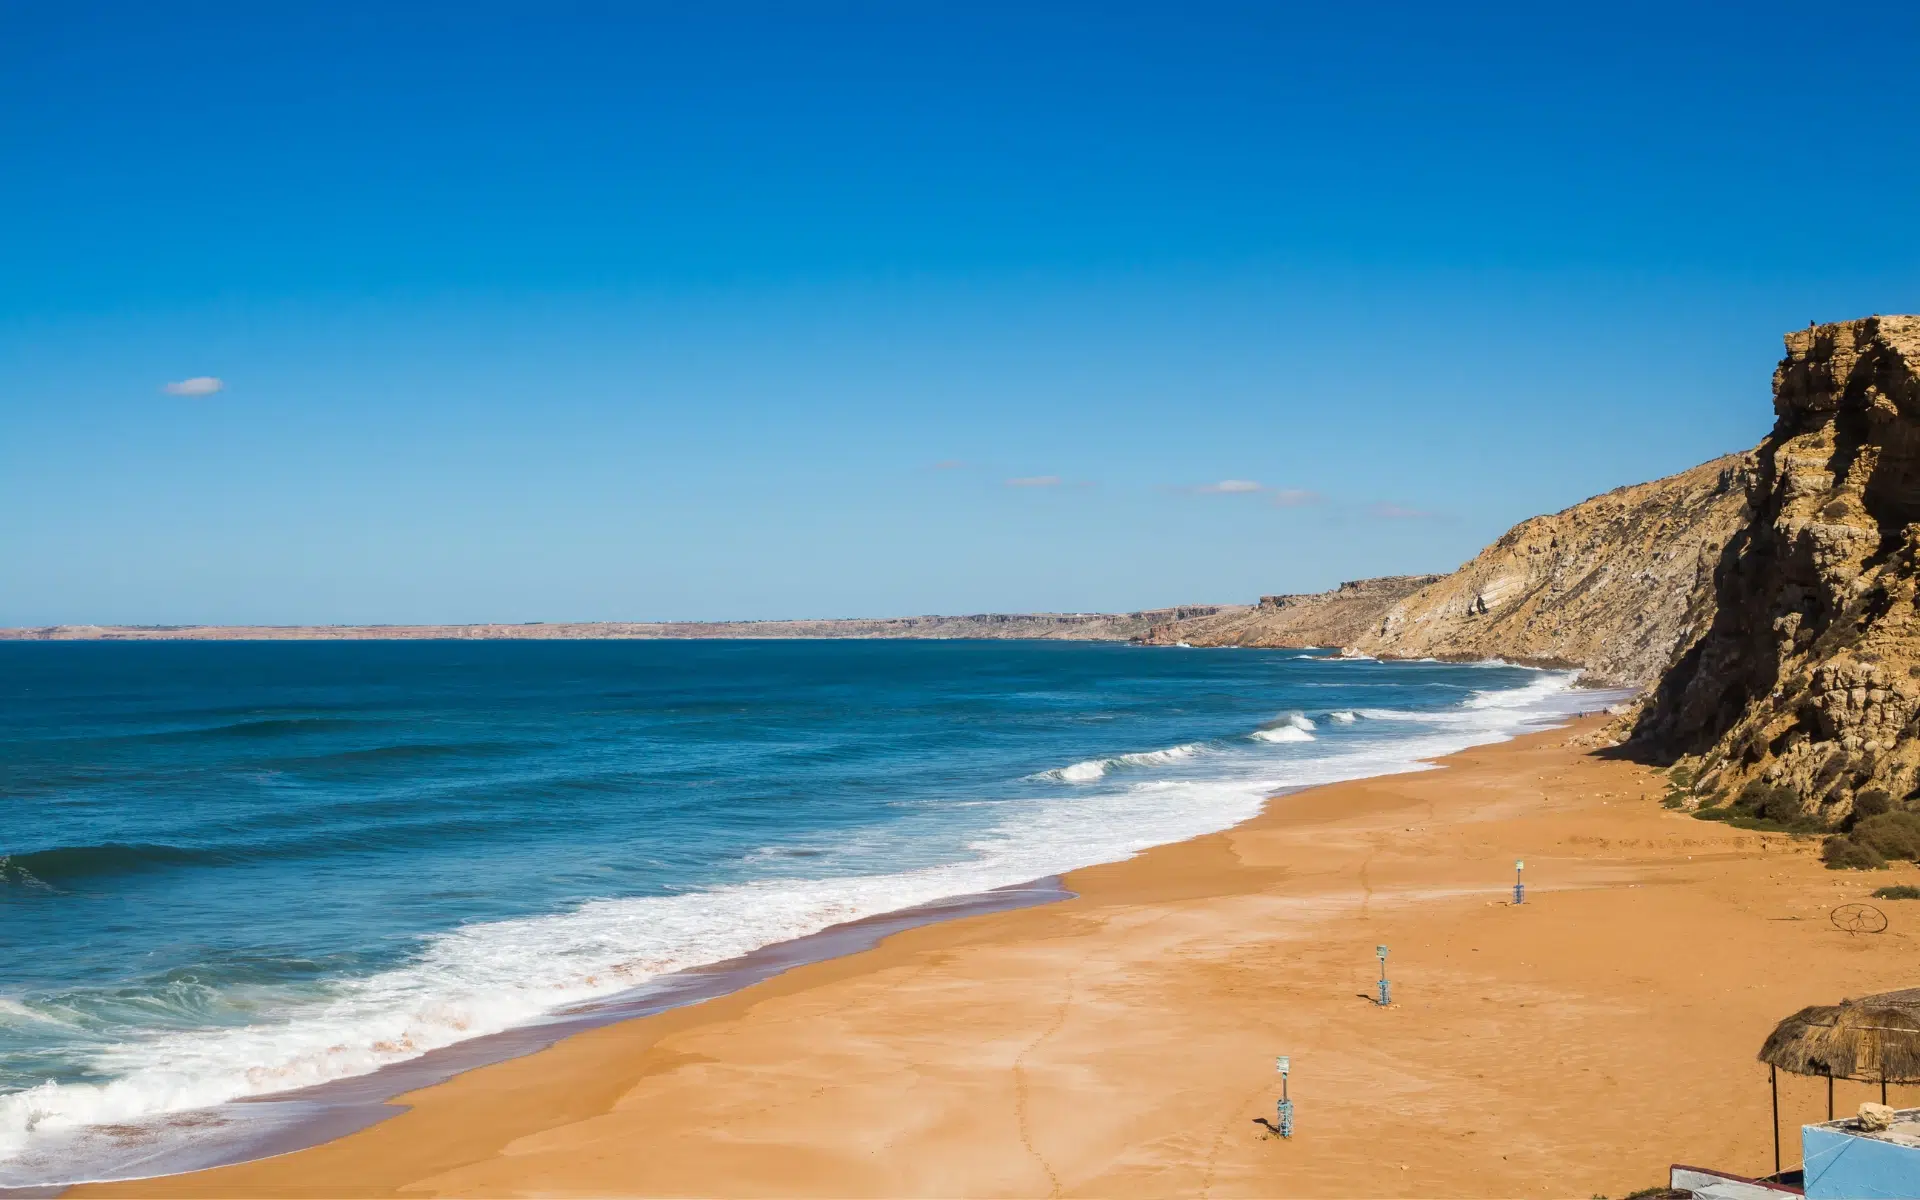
<point x="229" y="869"/>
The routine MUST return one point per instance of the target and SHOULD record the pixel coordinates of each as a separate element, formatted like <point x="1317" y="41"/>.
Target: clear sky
<point x="618" y="311"/>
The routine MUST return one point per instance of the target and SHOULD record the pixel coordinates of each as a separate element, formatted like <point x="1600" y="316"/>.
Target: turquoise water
<point x="239" y="868"/>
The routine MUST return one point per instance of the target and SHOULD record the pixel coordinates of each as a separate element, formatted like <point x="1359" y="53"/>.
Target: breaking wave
<point x="1097" y="768"/>
<point x="1294" y="727"/>
<point x="490" y="976"/>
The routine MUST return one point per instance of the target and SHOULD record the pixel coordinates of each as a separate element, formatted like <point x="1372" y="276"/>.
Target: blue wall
<point x="1841" y="1164"/>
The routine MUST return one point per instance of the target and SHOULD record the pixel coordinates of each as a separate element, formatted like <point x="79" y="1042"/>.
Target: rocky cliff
<point x="1807" y="681"/>
<point x="1614" y="584"/>
<point x="1335" y="618"/>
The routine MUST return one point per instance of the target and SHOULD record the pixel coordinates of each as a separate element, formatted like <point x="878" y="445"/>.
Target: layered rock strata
<point x="1334" y="618"/>
<point x="1614" y="584"/>
<point x="1809" y="675"/>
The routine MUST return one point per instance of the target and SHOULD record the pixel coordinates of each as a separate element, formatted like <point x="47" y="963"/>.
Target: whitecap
<point x="491" y="976"/>
<point x="1097" y="768"/>
<point x="1294" y="720"/>
<point x="1283" y="733"/>
<point x="1081" y="772"/>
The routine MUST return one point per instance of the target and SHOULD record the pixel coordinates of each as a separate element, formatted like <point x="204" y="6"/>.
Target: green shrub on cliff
<point x="1842" y="853"/>
<point x="1765" y="806"/>
<point x="1893" y="834"/>
<point x="1870" y="803"/>
<point x="1876" y="837"/>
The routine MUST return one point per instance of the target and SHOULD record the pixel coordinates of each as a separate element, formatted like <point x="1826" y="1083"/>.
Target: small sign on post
<point x="1519" y="881"/>
<point x="1285" y="1108"/>
<point x="1386" y="989"/>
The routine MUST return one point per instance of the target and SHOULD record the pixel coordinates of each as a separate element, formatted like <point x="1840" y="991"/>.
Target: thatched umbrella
<point x="1874" y="1038"/>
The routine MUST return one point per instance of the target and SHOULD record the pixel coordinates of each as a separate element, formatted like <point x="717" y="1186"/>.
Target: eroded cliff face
<point x="1614" y="584"/>
<point x="1335" y="618"/>
<point x="1809" y="674"/>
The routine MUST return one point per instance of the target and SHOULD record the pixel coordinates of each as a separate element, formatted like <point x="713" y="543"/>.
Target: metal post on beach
<point x="1386" y="989"/>
<point x="1519" y="881"/>
<point x="1285" y="1107"/>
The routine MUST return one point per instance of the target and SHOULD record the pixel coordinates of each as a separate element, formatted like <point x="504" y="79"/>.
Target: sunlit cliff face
<point x="1809" y="676"/>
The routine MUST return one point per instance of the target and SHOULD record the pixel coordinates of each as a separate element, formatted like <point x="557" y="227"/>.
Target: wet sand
<point x="1122" y="1042"/>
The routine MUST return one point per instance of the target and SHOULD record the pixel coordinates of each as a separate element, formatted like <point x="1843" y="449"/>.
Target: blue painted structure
<point x="1843" y="1163"/>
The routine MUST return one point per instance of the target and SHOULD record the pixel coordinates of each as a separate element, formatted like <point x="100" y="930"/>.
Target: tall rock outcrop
<point x="1614" y="584"/>
<point x="1809" y="674"/>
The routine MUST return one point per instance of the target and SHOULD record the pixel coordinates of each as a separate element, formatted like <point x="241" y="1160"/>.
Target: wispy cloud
<point x="1033" y="481"/>
<point x="199" y="385"/>
<point x="949" y="464"/>
<point x="1281" y="497"/>
<point x="1394" y="512"/>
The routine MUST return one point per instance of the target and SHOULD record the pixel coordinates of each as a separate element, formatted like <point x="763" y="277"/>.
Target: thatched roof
<point x="1872" y="1038"/>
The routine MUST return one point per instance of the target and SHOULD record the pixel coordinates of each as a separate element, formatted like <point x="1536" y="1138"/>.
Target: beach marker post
<point x="1519" y="881"/>
<point x="1284" y="1110"/>
<point x="1386" y="989"/>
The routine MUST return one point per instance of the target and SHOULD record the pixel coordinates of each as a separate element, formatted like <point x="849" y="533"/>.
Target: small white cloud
<point x="1394" y="512"/>
<point x="1035" y="481"/>
<point x="199" y="385"/>
<point x="1295" y="497"/>
<point x="1227" y="487"/>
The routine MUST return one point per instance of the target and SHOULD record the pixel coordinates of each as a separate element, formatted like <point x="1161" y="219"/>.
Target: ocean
<point x="234" y="869"/>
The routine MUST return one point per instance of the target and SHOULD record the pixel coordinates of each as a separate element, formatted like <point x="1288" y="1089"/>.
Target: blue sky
<point x="608" y="311"/>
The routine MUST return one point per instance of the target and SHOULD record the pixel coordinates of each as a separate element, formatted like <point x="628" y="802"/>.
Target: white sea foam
<point x="490" y="976"/>
<point x="1284" y="733"/>
<point x="12" y="1012"/>
<point x="1343" y="717"/>
<point x="1097" y="768"/>
<point x="1294" y="727"/>
<point x="1082" y="772"/>
<point x="1549" y="684"/>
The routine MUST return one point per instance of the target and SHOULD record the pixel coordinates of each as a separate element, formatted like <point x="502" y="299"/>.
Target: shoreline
<point x="255" y="1128"/>
<point x="676" y="1102"/>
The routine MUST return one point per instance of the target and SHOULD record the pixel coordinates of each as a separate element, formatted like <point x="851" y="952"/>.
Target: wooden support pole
<point x="1773" y="1085"/>
<point x="1829" y="1097"/>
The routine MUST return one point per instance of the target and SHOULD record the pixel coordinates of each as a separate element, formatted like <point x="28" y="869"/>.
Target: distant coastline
<point x="1069" y="626"/>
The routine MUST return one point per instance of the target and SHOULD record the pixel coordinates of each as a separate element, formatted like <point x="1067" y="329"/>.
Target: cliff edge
<point x="1615" y="584"/>
<point x="1808" y="678"/>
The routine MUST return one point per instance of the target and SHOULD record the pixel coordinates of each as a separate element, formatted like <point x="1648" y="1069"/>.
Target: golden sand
<point x="1122" y="1043"/>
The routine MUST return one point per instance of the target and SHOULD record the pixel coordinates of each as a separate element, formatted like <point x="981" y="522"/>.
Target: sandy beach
<point x="1122" y="1043"/>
